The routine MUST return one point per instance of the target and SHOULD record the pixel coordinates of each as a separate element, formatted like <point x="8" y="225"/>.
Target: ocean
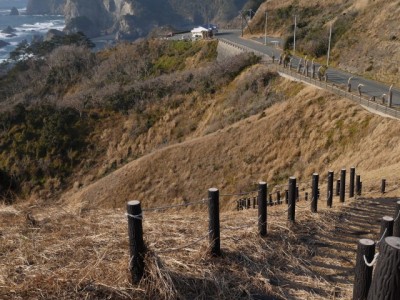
<point x="26" y="26"/>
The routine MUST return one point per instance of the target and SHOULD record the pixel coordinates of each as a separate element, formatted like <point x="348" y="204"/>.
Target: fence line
<point x="184" y="246"/>
<point x="202" y="201"/>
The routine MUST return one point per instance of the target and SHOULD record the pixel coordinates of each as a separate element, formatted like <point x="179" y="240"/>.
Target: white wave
<point x="41" y="26"/>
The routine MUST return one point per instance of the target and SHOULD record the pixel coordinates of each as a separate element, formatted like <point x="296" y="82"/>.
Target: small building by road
<point x="204" y="31"/>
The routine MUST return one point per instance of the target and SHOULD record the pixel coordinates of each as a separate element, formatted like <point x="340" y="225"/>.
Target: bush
<point x="40" y="143"/>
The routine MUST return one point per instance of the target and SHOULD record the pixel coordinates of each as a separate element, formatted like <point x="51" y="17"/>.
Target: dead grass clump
<point x="65" y="255"/>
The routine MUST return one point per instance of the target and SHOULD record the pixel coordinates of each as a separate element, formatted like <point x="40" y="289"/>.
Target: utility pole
<point x="241" y="21"/>
<point x="294" y="35"/>
<point x="266" y="22"/>
<point x="329" y="45"/>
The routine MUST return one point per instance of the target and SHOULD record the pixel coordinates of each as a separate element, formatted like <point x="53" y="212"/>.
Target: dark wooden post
<point x="362" y="272"/>
<point x="306" y="196"/>
<point x="338" y="187"/>
<point x="254" y="202"/>
<point x="386" y="281"/>
<point x="286" y="196"/>
<point x="386" y="227"/>
<point x="297" y="194"/>
<point x="351" y="187"/>
<point x="237" y="205"/>
<point x="248" y="203"/>
<point x="383" y="186"/>
<point x="278" y="197"/>
<point x="342" y="184"/>
<point x="213" y="219"/>
<point x="292" y="199"/>
<point x="329" y="198"/>
<point x="396" y="223"/>
<point x="270" y="202"/>
<point x="262" y="208"/>
<point x="136" y="243"/>
<point x="358" y="185"/>
<point x="314" y="197"/>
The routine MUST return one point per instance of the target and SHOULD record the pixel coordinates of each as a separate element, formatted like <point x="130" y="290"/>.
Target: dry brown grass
<point x="48" y="252"/>
<point x="312" y="131"/>
<point x="370" y="47"/>
<point x="78" y="249"/>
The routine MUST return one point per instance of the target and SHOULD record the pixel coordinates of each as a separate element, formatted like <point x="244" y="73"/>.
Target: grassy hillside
<point x="364" y="35"/>
<point x="162" y="123"/>
<point x="307" y="131"/>
<point x="78" y="247"/>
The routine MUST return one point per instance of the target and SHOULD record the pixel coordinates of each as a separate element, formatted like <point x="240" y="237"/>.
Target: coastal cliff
<point x="45" y="7"/>
<point x="135" y="18"/>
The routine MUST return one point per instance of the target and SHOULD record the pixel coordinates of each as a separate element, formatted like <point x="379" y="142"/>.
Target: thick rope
<point x="398" y="215"/>
<point x="138" y="217"/>
<point x="383" y="235"/>
<point x="202" y="201"/>
<point x="185" y="246"/>
<point x="373" y="262"/>
<point x="240" y="194"/>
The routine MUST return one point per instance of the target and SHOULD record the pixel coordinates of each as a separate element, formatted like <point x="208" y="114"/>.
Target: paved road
<point x="338" y="77"/>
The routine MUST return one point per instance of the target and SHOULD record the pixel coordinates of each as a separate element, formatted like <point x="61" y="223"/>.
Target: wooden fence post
<point x="314" y="197"/>
<point x="262" y="208"/>
<point x="292" y="199"/>
<point x="278" y="197"/>
<point x="358" y="185"/>
<point x="297" y="194"/>
<point x="396" y="224"/>
<point x="306" y="196"/>
<point x="286" y="196"/>
<point x="338" y="187"/>
<point x="362" y="272"/>
<point x="330" y="189"/>
<point x="248" y="203"/>
<point x="386" y="281"/>
<point x="352" y="175"/>
<point x="342" y="184"/>
<point x="270" y="202"/>
<point x="386" y="227"/>
<point x="254" y="202"/>
<point x="383" y="186"/>
<point x="136" y="243"/>
<point x="213" y="219"/>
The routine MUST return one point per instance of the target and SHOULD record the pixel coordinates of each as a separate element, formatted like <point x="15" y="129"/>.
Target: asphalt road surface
<point x="338" y="77"/>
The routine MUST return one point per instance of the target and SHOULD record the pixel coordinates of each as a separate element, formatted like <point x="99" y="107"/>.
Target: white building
<point x="204" y="31"/>
<point x="199" y="32"/>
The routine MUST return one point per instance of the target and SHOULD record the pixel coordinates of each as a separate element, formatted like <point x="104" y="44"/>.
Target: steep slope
<point x="365" y="40"/>
<point x="45" y="7"/>
<point x="312" y="131"/>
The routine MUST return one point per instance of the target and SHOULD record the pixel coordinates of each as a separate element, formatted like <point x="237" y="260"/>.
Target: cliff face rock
<point x="45" y="7"/>
<point x="14" y="12"/>
<point x="135" y="18"/>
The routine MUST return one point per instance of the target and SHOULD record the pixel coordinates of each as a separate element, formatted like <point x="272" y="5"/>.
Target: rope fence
<point x="366" y="257"/>
<point x="184" y="246"/>
<point x="202" y="201"/>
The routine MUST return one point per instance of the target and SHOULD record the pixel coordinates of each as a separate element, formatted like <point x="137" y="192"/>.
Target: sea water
<point x="26" y="26"/>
